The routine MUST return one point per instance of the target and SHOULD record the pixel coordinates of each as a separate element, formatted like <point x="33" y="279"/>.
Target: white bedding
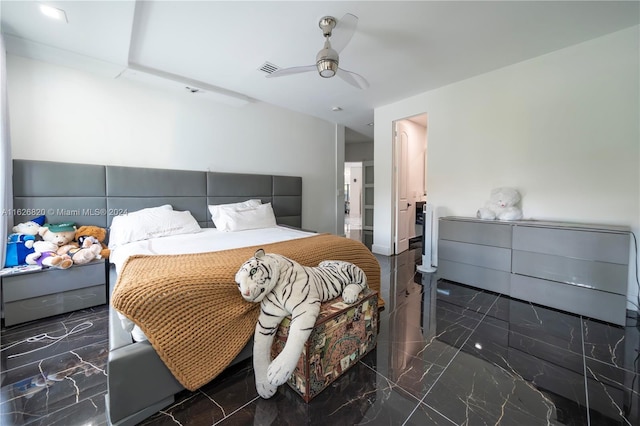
<point x="209" y="239"/>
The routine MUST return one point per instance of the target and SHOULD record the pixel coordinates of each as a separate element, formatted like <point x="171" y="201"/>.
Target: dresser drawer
<point x="611" y="277"/>
<point x="475" y="276"/>
<point x="474" y="254"/>
<point x="596" y="304"/>
<point x="475" y="232"/>
<point x="51" y="281"/>
<point x="53" y="304"/>
<point x="580" y="244"/>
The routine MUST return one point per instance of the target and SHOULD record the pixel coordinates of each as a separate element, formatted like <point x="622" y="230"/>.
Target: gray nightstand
<point x="38" y="294"/>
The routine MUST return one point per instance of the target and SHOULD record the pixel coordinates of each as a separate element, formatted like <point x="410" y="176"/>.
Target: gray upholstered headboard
<point x="92" y="194"/>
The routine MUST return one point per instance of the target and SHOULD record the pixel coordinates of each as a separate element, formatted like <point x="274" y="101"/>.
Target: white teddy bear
<point x="27" y="228"/>
<point x="502" y="205"/>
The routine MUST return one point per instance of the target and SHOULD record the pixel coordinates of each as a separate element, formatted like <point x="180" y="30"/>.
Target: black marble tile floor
<point x="447" y="354"/>
<point x="54" y="370"/>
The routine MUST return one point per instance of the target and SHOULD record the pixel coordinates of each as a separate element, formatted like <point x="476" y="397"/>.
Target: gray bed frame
<point x="139" y="384"/>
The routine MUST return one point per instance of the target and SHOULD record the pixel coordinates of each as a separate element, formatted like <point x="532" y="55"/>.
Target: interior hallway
<point x="353" y="227"/>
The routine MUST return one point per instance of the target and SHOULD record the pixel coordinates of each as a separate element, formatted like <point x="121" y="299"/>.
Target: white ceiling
<point x="401" y="48"/>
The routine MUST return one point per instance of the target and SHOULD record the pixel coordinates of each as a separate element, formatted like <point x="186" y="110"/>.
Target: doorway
<point x="409" y="180"/>
<point x="353" y="204"/>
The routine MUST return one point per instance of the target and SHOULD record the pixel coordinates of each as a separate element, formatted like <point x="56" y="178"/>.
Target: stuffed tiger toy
<point x="285" y="288"/>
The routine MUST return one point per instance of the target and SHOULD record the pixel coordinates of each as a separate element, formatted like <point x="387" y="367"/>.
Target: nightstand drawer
<point x="53" y="304"/>
<point x="51" y="281"/>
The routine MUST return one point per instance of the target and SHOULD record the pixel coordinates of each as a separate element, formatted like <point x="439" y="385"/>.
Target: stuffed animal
<point x="18" y="247"/>
<point x="96" y="232"/>
<point x="59" y="234"/>
<point x="45" y="255"/>
<point x="293" y="290"/>
<point x="29" y="228"/>
<point x="88" y="251"/>
<point x="20" y="243"/>
<point x="502" y="205"/>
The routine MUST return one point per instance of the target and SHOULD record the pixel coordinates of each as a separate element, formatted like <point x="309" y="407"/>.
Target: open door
<point x="367" y="203"/>
<point x="401" y="164"/>
<point x="409" y="180"/>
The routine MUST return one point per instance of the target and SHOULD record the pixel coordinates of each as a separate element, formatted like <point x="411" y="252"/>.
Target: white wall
<point x="358" y="151"/>
<point x="562" y="128"/>
<point x="60" y="114"/>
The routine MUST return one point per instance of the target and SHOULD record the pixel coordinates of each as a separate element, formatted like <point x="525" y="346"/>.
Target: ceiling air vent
<point x="269" y="68"/>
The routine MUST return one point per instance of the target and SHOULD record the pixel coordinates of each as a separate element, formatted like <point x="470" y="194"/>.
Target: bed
<point x="139" y="380"/>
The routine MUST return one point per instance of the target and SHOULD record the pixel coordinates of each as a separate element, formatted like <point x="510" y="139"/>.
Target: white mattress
<point x="208" y="240"/>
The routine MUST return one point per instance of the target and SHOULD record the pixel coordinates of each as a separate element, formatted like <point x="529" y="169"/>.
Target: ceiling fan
<point x="327" y="59"/>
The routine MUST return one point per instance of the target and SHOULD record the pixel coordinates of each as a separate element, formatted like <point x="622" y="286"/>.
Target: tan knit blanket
<point x="190" y="308"/>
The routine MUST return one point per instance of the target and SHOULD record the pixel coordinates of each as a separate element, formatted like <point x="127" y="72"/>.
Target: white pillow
<point x="150" y="223"/>
<point x="244" y="205"/>
<point x="239" y="220"/>
<point x="118" y="231"/>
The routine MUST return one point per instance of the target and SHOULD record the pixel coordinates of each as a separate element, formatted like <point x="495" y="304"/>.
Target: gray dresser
<point x="38" y="294"/>
<point x="576" y="268"/>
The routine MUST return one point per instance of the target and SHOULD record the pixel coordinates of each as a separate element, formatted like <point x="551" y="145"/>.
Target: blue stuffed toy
<point x="18" y="247"/>
<point x="20" y="243"/>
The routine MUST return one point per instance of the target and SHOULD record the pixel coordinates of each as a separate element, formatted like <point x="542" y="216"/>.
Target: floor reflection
<point x="477" y="357"/>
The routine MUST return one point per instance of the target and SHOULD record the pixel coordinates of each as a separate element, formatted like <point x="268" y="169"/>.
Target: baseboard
<point x="382" y="250"/>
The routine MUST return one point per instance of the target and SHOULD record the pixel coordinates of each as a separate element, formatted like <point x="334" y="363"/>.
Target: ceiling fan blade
<point x="356" y="80"/>
<point x="343" y="32"/>
<point x="293" y="70"/>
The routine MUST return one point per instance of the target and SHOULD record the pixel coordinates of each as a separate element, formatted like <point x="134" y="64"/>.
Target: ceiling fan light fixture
<point x="327" y="67"/>
<point x="327" y="59"/>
